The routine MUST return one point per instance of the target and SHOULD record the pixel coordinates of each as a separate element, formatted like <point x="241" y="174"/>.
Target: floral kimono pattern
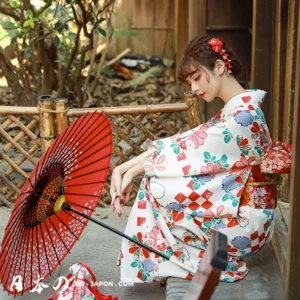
<point x="194" y="183"/>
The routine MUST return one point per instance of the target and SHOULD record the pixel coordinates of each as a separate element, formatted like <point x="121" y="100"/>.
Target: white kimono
<point x="194" y="184"/>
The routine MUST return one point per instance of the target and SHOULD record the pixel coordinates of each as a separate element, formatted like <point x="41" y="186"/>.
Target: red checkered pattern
<point x="191" y="202"/>
<point x="259" y="240"/>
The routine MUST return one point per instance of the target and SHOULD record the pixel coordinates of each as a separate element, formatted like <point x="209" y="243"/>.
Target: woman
<point x="205" y="184"/>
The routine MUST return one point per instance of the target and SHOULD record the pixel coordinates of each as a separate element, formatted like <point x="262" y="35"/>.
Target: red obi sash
<point x="261" y="187"/>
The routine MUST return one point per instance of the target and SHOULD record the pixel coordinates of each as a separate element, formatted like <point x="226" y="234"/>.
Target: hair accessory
<point x="216" y="45"/>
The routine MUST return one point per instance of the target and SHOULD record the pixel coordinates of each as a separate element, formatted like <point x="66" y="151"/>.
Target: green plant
<point x="50" y="40"/>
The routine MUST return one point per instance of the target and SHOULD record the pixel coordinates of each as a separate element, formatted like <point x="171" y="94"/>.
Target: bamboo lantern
<point x="47" y="120"/>
<point x="194" y="114"/>
<point x="61" y="114"/>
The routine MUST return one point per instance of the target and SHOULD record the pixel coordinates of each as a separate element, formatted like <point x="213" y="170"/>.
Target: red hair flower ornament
<point x="216" y="45"/>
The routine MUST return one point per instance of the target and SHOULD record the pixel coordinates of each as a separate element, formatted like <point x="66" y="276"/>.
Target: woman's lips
<point x="201" y="95"/>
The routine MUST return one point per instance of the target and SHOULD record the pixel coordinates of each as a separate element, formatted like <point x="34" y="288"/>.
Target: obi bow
<point x="278" y="160"/>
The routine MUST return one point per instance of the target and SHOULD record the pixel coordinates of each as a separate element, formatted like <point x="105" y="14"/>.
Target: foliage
<point x="50" y="40"/>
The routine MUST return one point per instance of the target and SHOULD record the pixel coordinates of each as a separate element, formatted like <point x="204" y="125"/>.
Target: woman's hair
<point x="198" y="53"/>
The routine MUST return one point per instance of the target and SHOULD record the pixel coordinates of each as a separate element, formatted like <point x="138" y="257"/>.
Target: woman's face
<point x="205" y="84"/>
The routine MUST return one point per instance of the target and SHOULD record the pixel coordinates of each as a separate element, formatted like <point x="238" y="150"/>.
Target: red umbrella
<point x="73" y="171"/>
<point x="56" y="203"/>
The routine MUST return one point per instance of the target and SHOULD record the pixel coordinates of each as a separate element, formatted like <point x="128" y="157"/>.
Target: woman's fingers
<point x="118" y="206"/>
<point x="116" y="183"/>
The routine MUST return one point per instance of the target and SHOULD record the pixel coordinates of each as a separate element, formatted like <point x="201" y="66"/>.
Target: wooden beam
<point x="193" y="19"/>
<point x="278" y="71"/>
<point x="290" y="70"/>
<point x="261" y="50"/>
<point x="292" y="287"/>
<point x="181" y="27"/>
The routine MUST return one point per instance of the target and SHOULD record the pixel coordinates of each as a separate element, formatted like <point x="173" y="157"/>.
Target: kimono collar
<point x="249" y="97"/>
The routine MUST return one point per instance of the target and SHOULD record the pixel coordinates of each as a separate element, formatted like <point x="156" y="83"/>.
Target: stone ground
<point x="99" y="249"/>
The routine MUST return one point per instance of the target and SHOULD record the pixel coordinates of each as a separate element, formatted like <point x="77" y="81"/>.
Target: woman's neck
<point x="229" y="88"/>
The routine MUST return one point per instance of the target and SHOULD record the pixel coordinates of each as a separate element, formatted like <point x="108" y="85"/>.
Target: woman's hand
<point x="118" y="203"/>
<point x="122" y="180"/>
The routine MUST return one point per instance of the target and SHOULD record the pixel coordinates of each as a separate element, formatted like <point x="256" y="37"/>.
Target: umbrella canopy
<point x="73" y="172"/>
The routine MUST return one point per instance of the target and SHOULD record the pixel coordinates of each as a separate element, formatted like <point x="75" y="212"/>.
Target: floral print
<point x="203" y="174"/>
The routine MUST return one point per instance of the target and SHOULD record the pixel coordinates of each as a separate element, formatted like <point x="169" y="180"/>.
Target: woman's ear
<point x="219" y="67"/>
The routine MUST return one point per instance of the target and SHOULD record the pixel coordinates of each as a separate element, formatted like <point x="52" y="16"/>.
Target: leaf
<point x="207" y="155"/>
<point x="227" y="139"/>
<point x="134" y="264"/>
<point x="225" y="197"/>
<point x="144" y="277"/>
<point x="7" y="25"/>
<point x="15" y="4"/>
<point x="235" y="203"/>
<point x="29" y="23"/>
<point x="141" y="195"/>
<point x="100" y="21"/>
<point x="196" y="186"/>
<point x="56" y="42"/>
<point x="176" y="150"/>
<point x="29" y="13"/>
<point x="224" y="158"/>
<point x="102" y="31"/>
<point x="207" y="224"/>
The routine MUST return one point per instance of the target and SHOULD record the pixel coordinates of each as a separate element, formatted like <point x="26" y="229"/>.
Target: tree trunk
<point x="13" y="81"/>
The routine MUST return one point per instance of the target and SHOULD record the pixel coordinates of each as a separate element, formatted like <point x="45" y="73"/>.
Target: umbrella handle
<point x="66" y="206"/>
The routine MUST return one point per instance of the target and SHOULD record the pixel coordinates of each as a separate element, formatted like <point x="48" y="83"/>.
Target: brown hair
<point x="198" y="53"/>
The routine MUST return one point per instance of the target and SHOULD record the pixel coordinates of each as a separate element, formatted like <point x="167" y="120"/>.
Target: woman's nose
<point x="194" y="87"/>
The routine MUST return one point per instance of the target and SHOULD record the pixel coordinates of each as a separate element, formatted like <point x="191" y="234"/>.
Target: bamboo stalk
<point x="121" y="134"/>
<point x="18" y="186"/>
<point x="140" y="126"/>
<point x="17" y="146"/>
<point x="25" y="129"/>
<point x="133" y="109"/>
<point x="47" y="120"/>
<point x="194" y="114"/>
<point x="62" y="121"/>
<point x="22" y="159"/>
<point x="19" y="110"/>
<point x="6" y="124"/>
<point x="14" y="165"/>
<point x="10" y="184"/>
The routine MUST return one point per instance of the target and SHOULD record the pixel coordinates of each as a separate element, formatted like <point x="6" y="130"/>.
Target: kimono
<point x="197" y="182"/>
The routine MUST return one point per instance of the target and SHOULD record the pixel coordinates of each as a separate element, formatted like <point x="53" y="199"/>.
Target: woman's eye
<point x="196" y="79"/>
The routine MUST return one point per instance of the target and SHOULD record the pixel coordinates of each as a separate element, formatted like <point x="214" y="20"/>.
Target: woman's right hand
<point x="116" y="184"/>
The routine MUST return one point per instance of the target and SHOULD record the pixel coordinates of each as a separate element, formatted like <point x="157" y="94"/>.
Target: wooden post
<point x="194" y="114"/>
<point x="261" y="50"/>
<point x="181" y="27"/>
<point x="47" y="120"/>
<point x="292" y="287"/>
<point x="62" y="121"/>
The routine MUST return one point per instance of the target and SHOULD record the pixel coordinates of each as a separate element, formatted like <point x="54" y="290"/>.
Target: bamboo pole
<point x="194" y="114"/>
<point x="10" y="184"/>
<point x="133" y="109"/>
<point x="47" y="120"/>
<point x="62" y="121"/>
<point x="18" y="110"/>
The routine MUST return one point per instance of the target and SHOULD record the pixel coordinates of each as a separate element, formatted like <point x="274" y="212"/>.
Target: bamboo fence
<point x="27" y="132"/>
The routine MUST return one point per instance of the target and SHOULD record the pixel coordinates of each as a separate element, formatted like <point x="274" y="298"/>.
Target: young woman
<point x="213" y="183"/>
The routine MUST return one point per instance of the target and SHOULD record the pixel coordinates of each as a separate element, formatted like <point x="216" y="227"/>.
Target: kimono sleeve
<point x="241" y="139"/>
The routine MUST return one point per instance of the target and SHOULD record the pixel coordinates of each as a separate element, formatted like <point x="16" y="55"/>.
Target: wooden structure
<point x="212" y="264"/>
<point x="153" y="20"/>
<point x="28" y="131"/>
<point x="266" y="33"/>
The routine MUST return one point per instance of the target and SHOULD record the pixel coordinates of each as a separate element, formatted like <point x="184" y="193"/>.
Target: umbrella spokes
<point x="40" y="205"/>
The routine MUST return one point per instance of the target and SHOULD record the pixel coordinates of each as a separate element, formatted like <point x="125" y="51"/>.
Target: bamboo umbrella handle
<point x="178" y="263"/>
<point x="65" y="206"/>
